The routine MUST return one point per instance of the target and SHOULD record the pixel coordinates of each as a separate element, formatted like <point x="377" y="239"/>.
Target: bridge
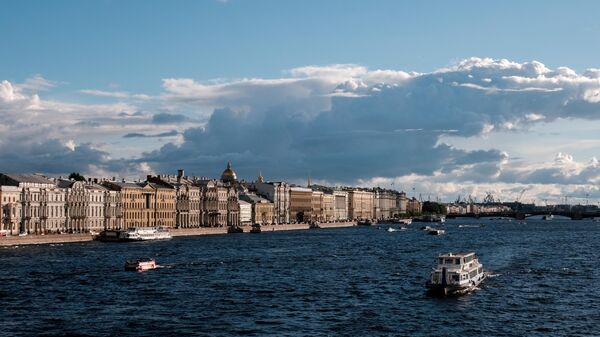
<point x="521" y="215"/>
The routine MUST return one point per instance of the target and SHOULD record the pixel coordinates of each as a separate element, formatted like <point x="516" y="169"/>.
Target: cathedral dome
<point x="228" y="175"/>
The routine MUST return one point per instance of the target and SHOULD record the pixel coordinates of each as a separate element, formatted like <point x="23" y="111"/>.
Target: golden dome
<point x="228" y="175"/>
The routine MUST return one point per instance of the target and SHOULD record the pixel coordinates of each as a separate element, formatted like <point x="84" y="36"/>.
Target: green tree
<point x="76" y="176"/>
<point x="430" y="207"/>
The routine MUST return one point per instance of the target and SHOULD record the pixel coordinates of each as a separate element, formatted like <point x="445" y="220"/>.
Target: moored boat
<point x="406" y="221"/>
<point x="455" y="274"/>
<point x="255" y="228"/>
<point x="140" y="264"/>
<point x="234" y="230"/>
<point x="366" y="222"/>
<point x="134" y="234"/>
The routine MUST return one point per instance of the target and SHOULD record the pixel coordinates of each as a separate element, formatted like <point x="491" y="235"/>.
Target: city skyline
<point x="394" y="103"/>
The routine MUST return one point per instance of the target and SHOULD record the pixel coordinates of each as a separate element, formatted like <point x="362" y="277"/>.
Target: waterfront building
<point x="401" y="203"/>
<point x="360" y="204"/>
<point x="301" y="204"/>
<point x="262" y="209"/>
<point x="384" y="204"/>
<point x="317" y="206"/>
<point x="95" y="218"/>
<point x="219" y="205"/>
<point x="187" y="198"/>
<point x="279" y="194"/>
<point x="145" y="204"/>
<point x="31" y="187"/>
<point x="76" y="205"/>
<point x="245" y="212"/>
<point x="10" y="209"/>
<point x="328" y="207"/>
<point x="164" y="204"/>
<point x="113" y="210"/>
<point x="52" y="211"/>
<point x="340" y="205"/>
<point x="414" y="206"/>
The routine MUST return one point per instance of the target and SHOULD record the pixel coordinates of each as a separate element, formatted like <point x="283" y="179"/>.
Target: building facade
<point x="279" y="194"/>
<point x="301" y="204"/>
<point x="360" y="204"/>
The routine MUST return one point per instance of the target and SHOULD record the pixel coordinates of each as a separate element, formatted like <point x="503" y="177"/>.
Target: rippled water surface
<point x="355" y="281"/>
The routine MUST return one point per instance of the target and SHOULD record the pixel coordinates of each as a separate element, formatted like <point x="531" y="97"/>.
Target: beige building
<point x="219" y="205"/>
<point x="301" y="204"/>
<point x="317" y="206"/>
<point x="95" y="207"/>
<point x="33" y="217"/>
<point x="360" y="204"/>
<point x="328" y="207"/>
<point x="413" y="206"/>
<point x="279" y="194"/>
<point x="340" y="205"/>
<point x="145" y="204"/>
<point x="187" y="198"/>
<point x="113" y="210"/>
<point x="262" y="209"/>
<point x="384" y="204"/>
<point x="10" y="209"/>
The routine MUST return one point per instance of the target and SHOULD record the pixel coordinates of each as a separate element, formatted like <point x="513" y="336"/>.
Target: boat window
<point x="456" y="261"/>
<point x="468" y="259"/>
<point x="436" y="277"/>
<point x="440" y="261"/>
<point x="455" y="277"/>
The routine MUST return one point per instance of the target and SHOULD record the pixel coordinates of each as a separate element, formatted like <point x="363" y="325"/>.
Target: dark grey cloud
<point x="167" y="118"/>
<point x="156" y="135"/>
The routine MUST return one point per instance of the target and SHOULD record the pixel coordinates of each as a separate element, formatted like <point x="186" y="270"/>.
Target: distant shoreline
<point x="73" y="238"/>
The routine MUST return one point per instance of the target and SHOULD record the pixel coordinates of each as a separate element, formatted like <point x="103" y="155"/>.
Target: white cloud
<point x="342" y="122"/>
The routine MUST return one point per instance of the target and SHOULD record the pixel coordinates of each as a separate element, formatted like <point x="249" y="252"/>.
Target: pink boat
<point x="140" y="264"/>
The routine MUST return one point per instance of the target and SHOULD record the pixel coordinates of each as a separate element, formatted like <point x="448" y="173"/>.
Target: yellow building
<point x="145" y="204"/>
<point x="300" y="204"/>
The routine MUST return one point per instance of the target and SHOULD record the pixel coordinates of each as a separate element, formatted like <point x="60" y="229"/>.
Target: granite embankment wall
<point x="68" y="238"/>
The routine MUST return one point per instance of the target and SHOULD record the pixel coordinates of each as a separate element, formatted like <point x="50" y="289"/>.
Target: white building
<point x="245" y="212"/>
<point x="279" y="194"/>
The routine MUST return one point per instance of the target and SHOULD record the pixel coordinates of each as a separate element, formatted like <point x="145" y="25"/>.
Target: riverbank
<point x="69" y="238"/>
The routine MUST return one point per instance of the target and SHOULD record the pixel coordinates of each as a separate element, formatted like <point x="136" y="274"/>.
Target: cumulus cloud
<point x="341" y="123"/>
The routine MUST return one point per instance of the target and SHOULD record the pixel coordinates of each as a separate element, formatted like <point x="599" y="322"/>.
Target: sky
<point x="437" y="98"/>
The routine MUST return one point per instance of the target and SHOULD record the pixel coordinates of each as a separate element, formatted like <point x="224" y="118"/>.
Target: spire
<point x="260" y="178"/>
<point x="229" y="165"/>
<point x="309" y="182"/>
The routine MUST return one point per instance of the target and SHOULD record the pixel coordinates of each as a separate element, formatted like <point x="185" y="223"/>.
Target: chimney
<point x="148" y="177"/>
<point x="179" y="175"/>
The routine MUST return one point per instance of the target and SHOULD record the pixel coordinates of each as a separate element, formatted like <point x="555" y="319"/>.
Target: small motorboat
<point x="140" y="264"/>
<point x="255" y="228"/>
<point x="390" y="229"/>
<point x="436" y="231"/>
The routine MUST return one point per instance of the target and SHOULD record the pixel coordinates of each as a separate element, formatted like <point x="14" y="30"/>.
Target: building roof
<point x="27" y="178"/>
<point x="253" y="198"/>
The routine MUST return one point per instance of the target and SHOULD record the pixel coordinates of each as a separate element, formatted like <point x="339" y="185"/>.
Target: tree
<point x="76" y="176"/>
<point x="430" y="207"/>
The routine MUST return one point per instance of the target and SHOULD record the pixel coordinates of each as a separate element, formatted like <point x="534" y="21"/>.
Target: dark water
<point x="356" y="281"/>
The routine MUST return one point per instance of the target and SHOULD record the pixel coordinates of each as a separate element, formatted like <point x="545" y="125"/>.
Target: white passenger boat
<point x="147" y="233"/>
<point x="455" y="274"/>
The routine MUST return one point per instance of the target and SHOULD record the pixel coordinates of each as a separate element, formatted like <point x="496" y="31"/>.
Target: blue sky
<point x="136" y="43"/>
<point x="458" y="97"/>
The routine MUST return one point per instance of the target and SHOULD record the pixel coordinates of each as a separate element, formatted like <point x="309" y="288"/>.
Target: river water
<point x="358" y="281"/>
